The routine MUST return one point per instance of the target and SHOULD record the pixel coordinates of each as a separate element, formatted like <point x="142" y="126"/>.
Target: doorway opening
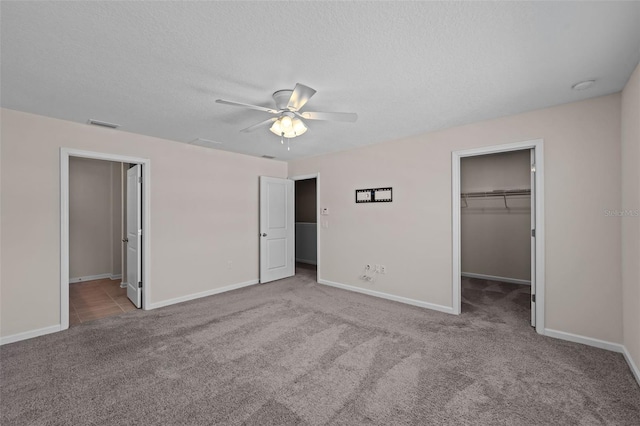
<point x="498" y="227"/>
<point x="104" y="251"/>
<point x="97" y="227"/>
<point x="495" y="225"/>
<point x="306" y="227"/>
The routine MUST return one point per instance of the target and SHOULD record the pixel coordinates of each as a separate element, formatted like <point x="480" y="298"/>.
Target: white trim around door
<point x="538" y="146"/>
<point x="315" y="176"/>
<point x="65" y="154"/>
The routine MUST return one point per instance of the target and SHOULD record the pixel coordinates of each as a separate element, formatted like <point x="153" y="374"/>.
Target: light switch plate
<point x="324" y="211"/>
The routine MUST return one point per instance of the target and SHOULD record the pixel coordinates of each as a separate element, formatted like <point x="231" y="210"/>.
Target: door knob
<point x="125" y="240"/>
<point x="264" y="234"/>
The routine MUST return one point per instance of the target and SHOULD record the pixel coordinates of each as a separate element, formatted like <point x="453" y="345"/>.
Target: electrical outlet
<point x="383" y="269"/>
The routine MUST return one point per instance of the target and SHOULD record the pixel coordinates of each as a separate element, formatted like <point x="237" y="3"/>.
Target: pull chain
<point x="282" y="141"/>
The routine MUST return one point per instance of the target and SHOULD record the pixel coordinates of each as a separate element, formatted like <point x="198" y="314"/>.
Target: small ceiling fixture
<point x="103" y="123"/>
<point x="583" y="85"/>
<point x="206" y="143"/>
<point x="289" y="120"/>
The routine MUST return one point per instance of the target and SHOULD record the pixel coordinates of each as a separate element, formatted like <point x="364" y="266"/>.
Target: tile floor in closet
<point x="95" y="299"/>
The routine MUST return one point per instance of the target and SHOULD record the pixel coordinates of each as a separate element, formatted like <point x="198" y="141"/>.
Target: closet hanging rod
<point x="502" y="193"/>
<point x="496" y="193"/>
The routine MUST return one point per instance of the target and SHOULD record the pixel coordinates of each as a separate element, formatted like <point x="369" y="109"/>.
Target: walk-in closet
<point x="496" y="234"/>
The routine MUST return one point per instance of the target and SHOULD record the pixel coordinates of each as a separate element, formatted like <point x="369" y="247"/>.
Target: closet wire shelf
<point x="501" y="193"/>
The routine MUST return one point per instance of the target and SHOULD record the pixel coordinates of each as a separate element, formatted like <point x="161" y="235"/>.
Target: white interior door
<point x="533" y="237"/>
<point x="276" y="229"/>
<point x="134" y="235"/>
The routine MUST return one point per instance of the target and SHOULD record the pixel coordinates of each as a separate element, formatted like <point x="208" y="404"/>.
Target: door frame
<point x="456" y="156"/>
<point x="65" y="154"/>
<point x="315" y="176"/>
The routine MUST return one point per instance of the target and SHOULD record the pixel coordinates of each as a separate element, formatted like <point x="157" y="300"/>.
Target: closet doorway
<point x="307" y="214"/>
<point x="498" y="231"/>
<point x="100" y="237"/>
<point x="97" y="231"/>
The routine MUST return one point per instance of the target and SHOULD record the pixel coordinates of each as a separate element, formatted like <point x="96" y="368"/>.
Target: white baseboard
<point x="201" y="294"/>
<point x="494" y="278"/>
<point x="55" y="328"/>
<point x="89" y="278"/>
<point x="632" y="365"/>
<point x="115" y="277"/>
<point x="602" y="344"/>
<point x="309" y="262"/>
<point x="589" y="341"/>
<point x="440" y="308"/>
<point x="29" y="334"/>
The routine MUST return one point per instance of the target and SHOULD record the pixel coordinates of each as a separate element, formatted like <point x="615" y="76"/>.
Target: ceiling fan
<point x="288" y="121"/>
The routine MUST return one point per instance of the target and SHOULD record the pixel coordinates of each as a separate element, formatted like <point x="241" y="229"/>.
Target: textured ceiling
<point x="406" y="68"/>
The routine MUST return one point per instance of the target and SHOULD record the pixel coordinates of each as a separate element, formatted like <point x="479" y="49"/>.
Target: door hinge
<point x="533" y="298"/>
<point x="139" y="179"/>
<point x="139" y="284"/>
<point x="533" y="233"/>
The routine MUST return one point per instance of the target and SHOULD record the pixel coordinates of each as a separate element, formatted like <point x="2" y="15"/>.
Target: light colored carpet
<point x="295" y="352"/>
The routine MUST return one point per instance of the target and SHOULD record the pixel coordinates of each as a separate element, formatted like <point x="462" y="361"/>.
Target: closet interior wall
<point x="306" y="218"/>
<point x="95" y="219"/>
<point x="495" y="240"/>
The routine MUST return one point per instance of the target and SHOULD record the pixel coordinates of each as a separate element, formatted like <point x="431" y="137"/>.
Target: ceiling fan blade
<point x="330" y="116"/>
<point x="260" y="124"/>
<point x="240" y="104"/>
<point x="301" y="94"/>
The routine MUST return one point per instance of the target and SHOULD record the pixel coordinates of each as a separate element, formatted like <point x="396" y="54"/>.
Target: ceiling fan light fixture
<point x="276" y="128"/>
<point x="298" y="126"/>
<point x="285" y="122"/>
<point x="295" y="127"/>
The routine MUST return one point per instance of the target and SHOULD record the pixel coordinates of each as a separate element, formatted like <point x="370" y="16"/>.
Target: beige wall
<point x="204" y="212"/>
<point x="631" y="224"/>
<point x="412" y="235"/>
<point x="496" y="241"/>
<point x="90" y="218"/>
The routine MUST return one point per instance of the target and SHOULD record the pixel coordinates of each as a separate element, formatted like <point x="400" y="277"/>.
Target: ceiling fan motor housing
<point x="282" y="99"/>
